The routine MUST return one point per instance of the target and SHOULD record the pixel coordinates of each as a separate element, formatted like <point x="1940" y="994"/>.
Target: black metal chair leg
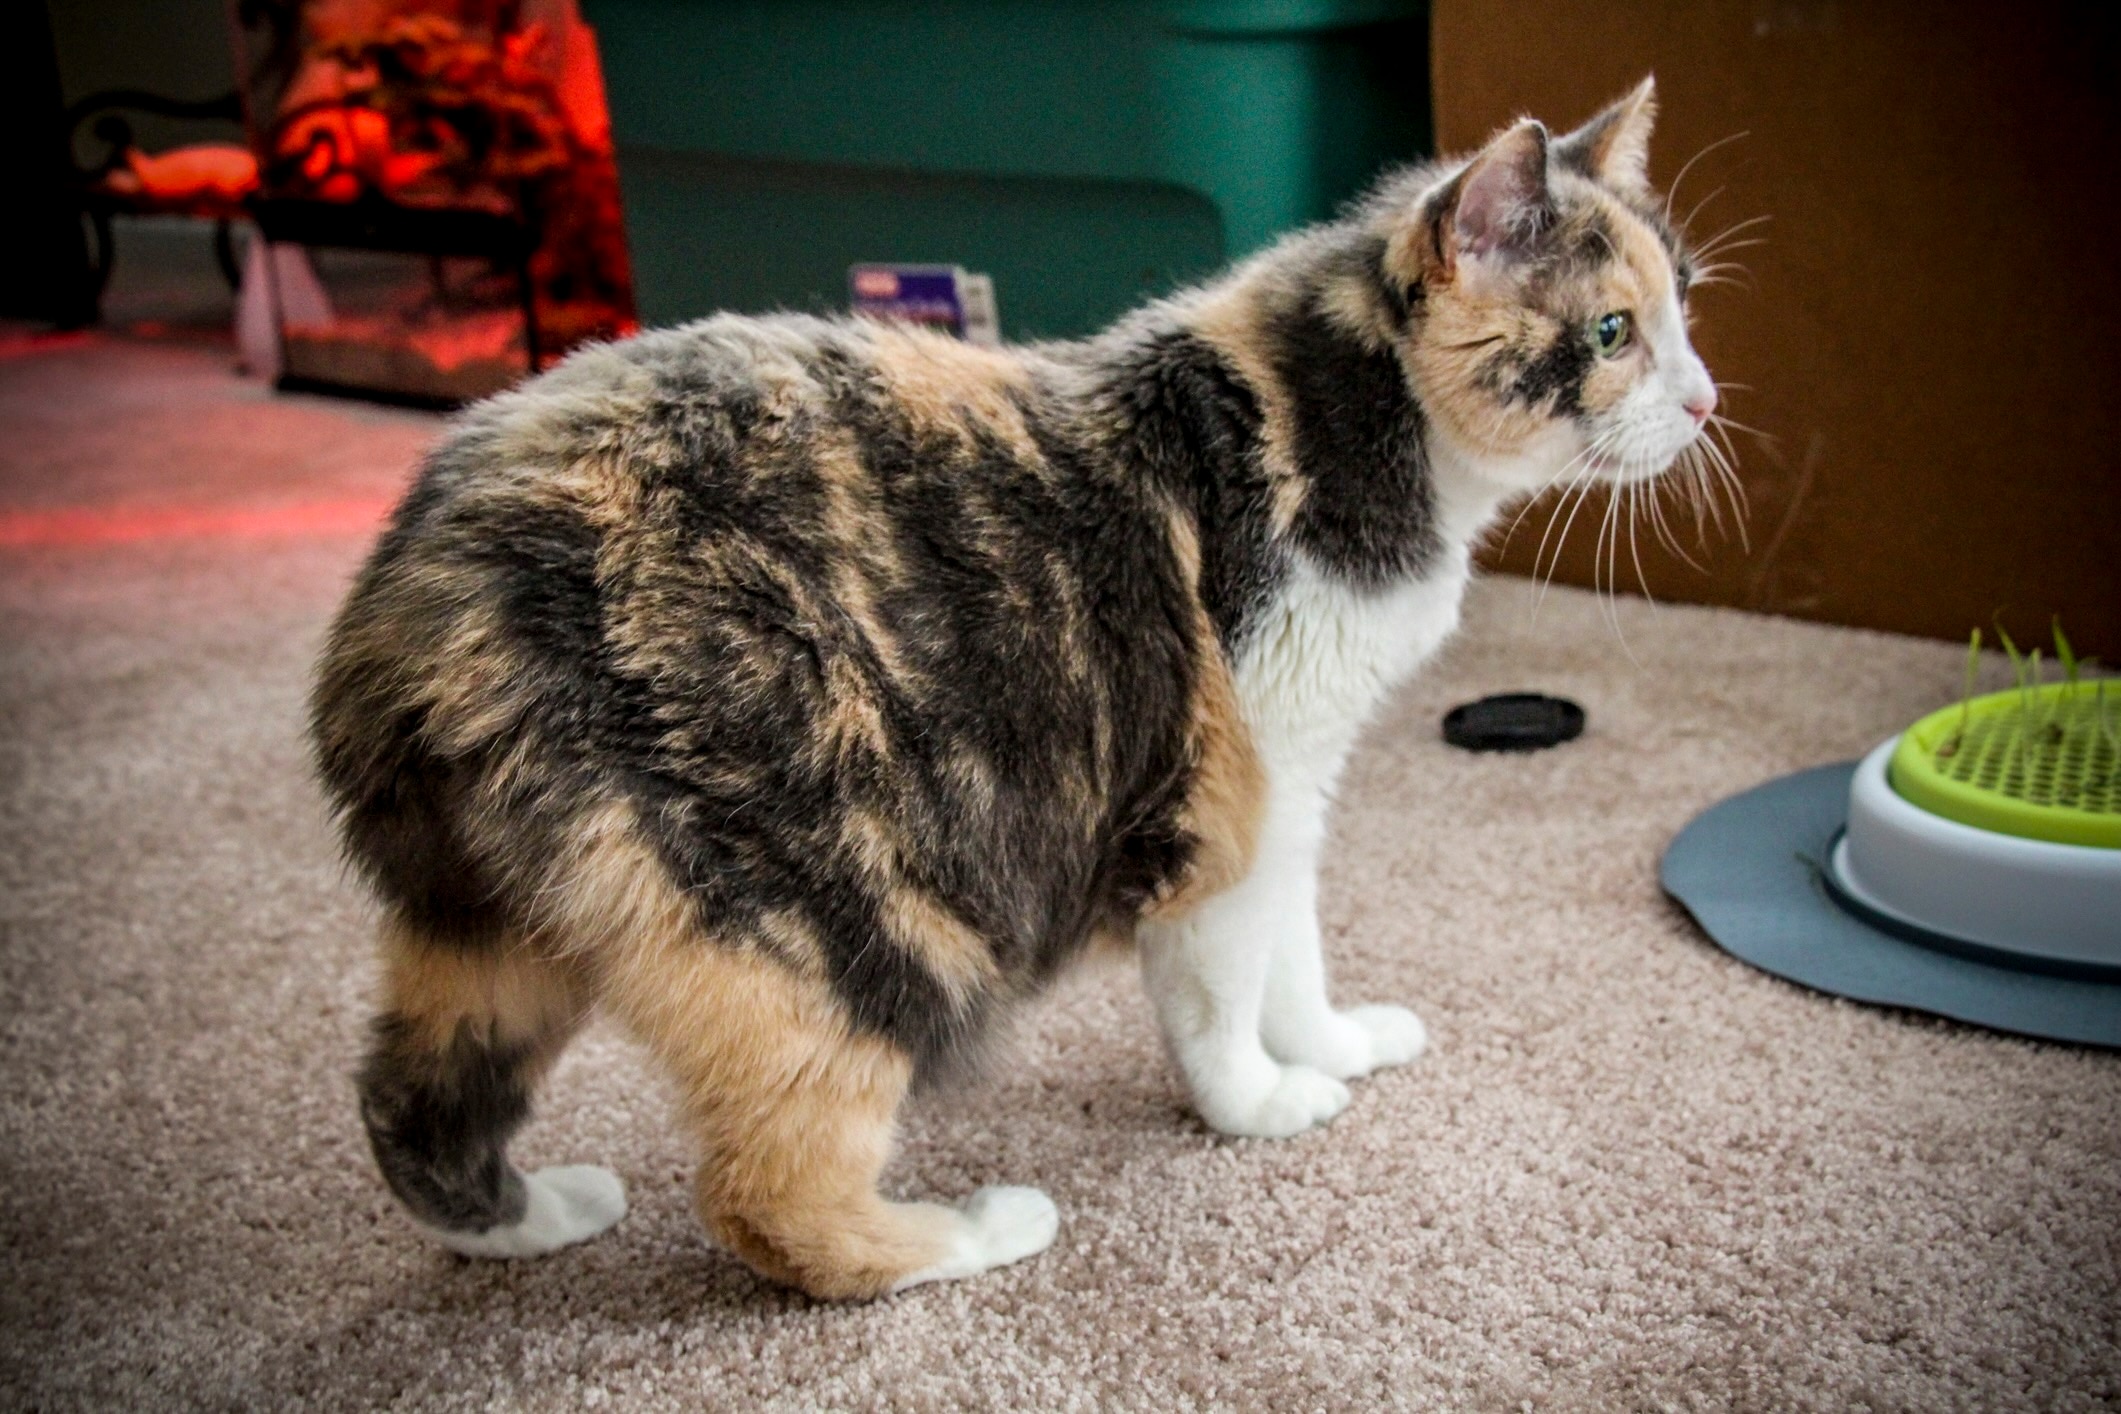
<point x="225" y="254"/>
<point x="530" y="316"/>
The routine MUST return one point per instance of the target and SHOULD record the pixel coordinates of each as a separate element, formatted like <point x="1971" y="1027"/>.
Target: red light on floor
<point x="119" y="525"/>
<point x="22" y="345"/>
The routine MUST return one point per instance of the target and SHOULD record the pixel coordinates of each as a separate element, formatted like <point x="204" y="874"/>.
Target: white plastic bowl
<point x="2054" y="904"/>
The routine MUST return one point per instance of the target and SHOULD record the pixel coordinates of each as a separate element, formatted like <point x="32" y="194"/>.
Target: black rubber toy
<point x="1513" y="721"/>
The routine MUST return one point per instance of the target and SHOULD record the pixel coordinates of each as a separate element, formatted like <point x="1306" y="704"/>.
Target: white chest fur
<point x="1239" y="986"/>
<point x="1326" y="654"/>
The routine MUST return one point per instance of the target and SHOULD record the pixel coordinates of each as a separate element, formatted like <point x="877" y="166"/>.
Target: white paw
<point x="999" y="1226"/>
<point x="1013" y="1223"/>
<point x="568" y="1204"/>
<point x="1396" y="1034"/>
<point x="1348" y="1044"/>
<point x="1295" y="1098"/>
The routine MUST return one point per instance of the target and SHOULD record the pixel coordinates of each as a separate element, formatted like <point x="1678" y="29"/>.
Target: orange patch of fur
<point x="1637" y="282"/>
<point x="794" y="1110"/>
<point x="914" y="918"/>
<point x="1229" y="787"/>
<point x="1228" y="320"/>
<point x="501" y="996"/>
<point x="1463" y="329"/>
<point x="945" y="384"/>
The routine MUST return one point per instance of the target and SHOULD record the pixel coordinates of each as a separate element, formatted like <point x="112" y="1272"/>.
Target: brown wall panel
<point x="1932" y="333"/>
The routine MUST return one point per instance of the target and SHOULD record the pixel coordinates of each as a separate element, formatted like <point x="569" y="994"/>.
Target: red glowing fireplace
<point x="436" y="190"/>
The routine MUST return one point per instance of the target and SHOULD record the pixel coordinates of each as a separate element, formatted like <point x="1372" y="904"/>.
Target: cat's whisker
<point x="1721" y="272"/>
<point x="1689" y="491"/>
<point x="1728" y="481"/>
<point x="1672" y="193"/>
<point x="1721" y="453"/>
<point x="1703" y="248"/>
<point x="1623" y="519"/>
<point x="1739" y="516"/>
<point x="1726" y="424"/>
<point x="1699" y="491"/>
<point x="1662" y="527"/>
<point x="1609" y="538"/>
<point x="1585" y="480"/>
<point x="1535" y="498"/>
<point x="1726" y="460"/>
<point x="1636" y="496"/>
<point x="1553" y="520"/>
<point x="1581" y="464"/>
<point x="1714" y="253"/>
<point x="1522" y="511"/>
<point x="1696" y="211"/>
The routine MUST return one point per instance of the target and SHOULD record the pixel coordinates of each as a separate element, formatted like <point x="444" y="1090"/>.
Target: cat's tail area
<point x="465" y="1032"/>
<point x="794" y="1106"/>
<point x="795" y="1111"/>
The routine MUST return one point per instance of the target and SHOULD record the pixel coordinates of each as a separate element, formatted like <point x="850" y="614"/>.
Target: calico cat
<point x="803" y="692"/>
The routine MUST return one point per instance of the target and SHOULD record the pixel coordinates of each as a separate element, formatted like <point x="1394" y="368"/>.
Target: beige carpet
<point x="1632" y="1174"/>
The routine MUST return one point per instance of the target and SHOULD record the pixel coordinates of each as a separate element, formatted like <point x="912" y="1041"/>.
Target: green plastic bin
<point x="1084" y="153"/>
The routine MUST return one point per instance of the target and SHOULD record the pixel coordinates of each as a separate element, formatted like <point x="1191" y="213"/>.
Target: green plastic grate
<point x="2043" y="763"/>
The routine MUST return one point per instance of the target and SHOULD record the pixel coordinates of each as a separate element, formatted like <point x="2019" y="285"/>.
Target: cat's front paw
<point x="1292" y="1099"/>
<point x="1396" y="1034"/>
<point x="1348" y="1044"/>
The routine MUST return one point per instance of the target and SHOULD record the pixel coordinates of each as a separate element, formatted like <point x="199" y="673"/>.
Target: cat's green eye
<point x="1610" y="333"/>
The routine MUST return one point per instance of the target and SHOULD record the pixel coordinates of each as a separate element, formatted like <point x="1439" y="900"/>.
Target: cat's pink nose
<point x="1701" y="405"/>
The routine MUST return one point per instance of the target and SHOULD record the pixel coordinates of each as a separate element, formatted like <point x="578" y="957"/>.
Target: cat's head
<point x="1553" y="299"/>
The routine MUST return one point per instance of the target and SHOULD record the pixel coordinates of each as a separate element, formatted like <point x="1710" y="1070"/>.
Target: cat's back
<point x="765" y="583"/>
<point x="802" y="433"/>
<point x="809" y="442"/>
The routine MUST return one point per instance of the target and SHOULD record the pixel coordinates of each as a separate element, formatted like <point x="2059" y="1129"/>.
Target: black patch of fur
<point x="1190" y="424"/>
<point x="403" y="832"/>
<point x="1362" y="262"/>
<point x="1369" y="511"/>
<point x="440" y="1124"/>
<point x="1554" y="378"/>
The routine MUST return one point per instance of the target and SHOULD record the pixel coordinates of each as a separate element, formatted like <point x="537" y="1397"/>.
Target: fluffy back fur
<point x="805" y="689"/>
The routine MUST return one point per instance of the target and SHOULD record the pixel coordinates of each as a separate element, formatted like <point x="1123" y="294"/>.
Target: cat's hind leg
<point x="795" y="1112"/>
<point x="464" y="1034"/>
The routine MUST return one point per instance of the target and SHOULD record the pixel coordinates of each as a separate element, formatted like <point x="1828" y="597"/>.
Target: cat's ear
<point x="1614" y="147"/>
<point x="1500" y="204"/>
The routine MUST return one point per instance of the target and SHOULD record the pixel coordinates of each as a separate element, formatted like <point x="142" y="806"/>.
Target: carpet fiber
<point x="1632" y="1173"/>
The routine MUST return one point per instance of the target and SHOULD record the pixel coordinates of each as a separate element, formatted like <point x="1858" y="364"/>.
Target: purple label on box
<point x="924" y="294"/>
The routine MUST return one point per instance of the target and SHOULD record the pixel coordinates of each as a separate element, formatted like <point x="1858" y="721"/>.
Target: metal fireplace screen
<point x="437" y="187"/>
